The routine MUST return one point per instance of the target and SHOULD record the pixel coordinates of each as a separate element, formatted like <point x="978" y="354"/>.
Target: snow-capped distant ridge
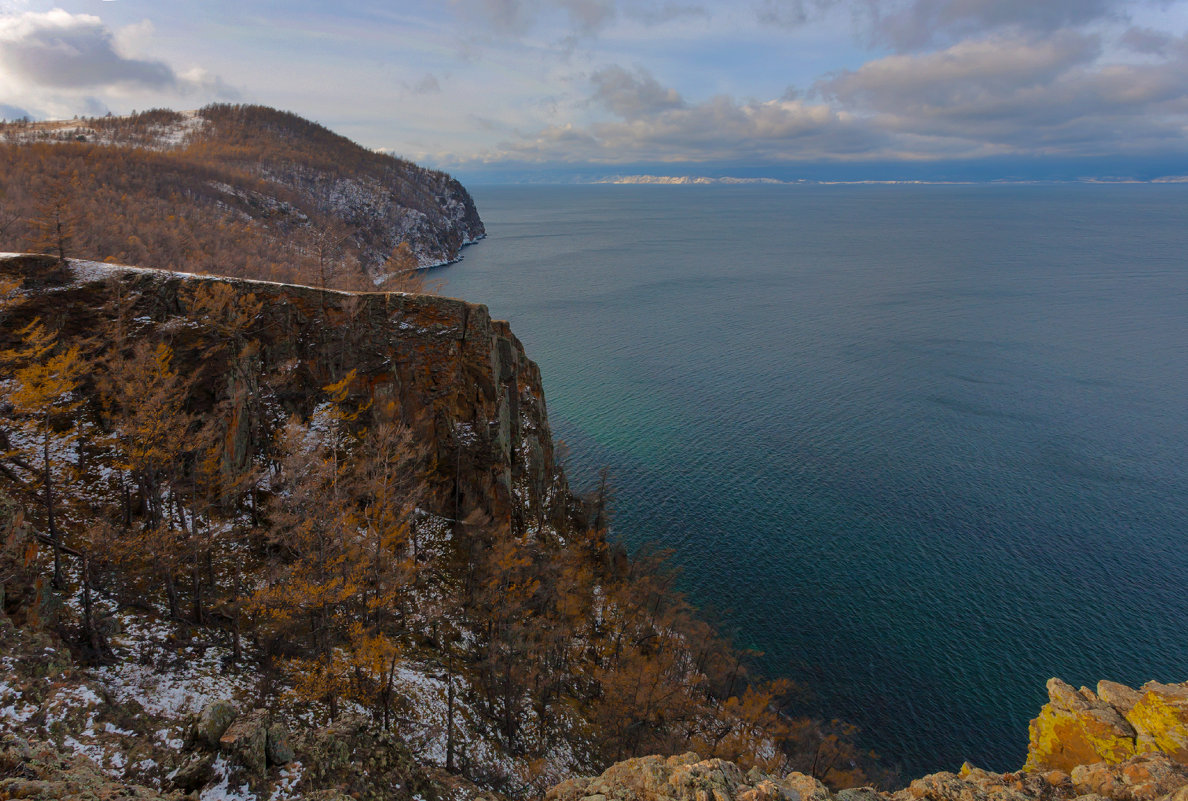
<point x="702" y="180"/>
<point x="685" y="179"/>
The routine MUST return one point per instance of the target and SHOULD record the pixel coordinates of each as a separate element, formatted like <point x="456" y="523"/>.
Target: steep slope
<point x="460" y="380"/>
<point x="351" y="501"/>
<point x="246" y="190"/>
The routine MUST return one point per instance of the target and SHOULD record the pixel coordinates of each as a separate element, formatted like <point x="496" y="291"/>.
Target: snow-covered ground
<point x="156" y="137"/>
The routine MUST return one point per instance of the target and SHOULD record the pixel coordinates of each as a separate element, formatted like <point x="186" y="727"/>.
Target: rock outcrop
<point x="1116" y="744"/>
<point x="1083" y="727"/>
<point x="680" y="778"/>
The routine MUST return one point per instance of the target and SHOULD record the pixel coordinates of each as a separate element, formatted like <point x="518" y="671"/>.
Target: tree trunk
<point x="50" y="522"/>
<point x="450" y="711"/>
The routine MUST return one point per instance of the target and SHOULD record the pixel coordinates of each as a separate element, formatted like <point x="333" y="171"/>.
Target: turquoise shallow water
<point x="924" y="446"/>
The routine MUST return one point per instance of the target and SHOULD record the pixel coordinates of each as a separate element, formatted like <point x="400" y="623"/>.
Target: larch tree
<point x="42" y="391"/>
<point x="145" y="398"/>
<point x="403" y="273"/>
<point x="55" y="219"/>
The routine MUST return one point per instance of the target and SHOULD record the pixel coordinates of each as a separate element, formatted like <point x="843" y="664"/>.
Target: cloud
<point x="920" y="22"/>
<point x="72" y="51"/>
<point x="1012" y="93"/>
<point x="632" y="95"/>
<point x="968" y="72"/>
<point x="58" y="50"/>
<point x="428" y="85"/>
<point x="1149" y="41"/>
<point x="581" y="17"/>
<point x="912" y="24"/>
<point x="657" y="124"/>
<point x="1023" y="94"/>
<point x="792" y="13"/>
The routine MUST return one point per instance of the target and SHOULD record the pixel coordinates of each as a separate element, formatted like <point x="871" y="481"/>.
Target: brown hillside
<point x="245" y="191"/>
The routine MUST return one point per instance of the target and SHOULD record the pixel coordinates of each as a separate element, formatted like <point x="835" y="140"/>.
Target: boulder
<point x="1141" y="778"/>
<point x="1076" y="728"/>
<point x="687" y="777"/>
<point x="1118" y="695"/>
<point x="245" y="742"/>
<point x="941" y="787"/>
<point x="193" y="774"/>
<point x="212" y="722"/>
<point x="859" y="794"/>
<point x="809" y="788"/>
<point x="277" y="748"/>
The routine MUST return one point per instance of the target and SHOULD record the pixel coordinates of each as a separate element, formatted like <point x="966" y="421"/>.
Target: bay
<point x="922" y="446"/>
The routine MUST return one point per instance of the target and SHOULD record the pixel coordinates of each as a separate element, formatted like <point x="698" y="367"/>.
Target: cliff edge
<point x="459" y="379"/>
<point x="1117" y="743"/>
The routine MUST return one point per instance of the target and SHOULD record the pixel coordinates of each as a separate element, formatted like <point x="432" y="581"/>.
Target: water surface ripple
<point x="924" y="446"/>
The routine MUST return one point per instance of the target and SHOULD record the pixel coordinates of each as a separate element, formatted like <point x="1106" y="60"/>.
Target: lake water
<point x="924" y="446"/>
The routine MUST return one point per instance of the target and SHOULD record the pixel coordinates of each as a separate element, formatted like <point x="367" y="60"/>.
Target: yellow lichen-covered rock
<point x="1076" y="728"/>
<point x="1160" y="719"/>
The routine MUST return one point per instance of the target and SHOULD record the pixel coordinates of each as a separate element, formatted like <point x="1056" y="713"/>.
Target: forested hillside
<point x="234" y="190"/>
<point x="352" y="500"/>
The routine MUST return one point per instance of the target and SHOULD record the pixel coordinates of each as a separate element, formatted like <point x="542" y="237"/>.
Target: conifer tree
<point x="145" y="397"/>
<point x="55" y="219"/>
<point x="44" y="385"/>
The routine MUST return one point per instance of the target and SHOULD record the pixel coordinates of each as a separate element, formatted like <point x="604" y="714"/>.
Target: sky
<point x="514" y="90"/>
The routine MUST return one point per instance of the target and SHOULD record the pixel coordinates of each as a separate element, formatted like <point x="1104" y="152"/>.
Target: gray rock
<point x="859" y="794"/>
<point x="245" y="741"/>
<point x="194" y="774"/>
<point x="212" y="722"/>
<point x="277" y="748"/>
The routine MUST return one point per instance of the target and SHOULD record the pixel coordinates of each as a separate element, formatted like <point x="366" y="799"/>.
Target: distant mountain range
<point x="706" y="180"/>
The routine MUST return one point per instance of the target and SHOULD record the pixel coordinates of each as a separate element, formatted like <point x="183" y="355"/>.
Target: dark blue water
<point x="925" y="446"/>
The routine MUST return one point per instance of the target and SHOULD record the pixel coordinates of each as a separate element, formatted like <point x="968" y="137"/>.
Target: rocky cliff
<point x="459" y="379"/>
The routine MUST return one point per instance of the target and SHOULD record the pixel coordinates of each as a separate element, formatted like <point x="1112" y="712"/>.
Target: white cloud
<point x="61" y="50"/>
<point x="913" y="24"/>
<point x="57" y="63"/>
<point x="1025" y="94"/>
<point x="657" y="124"/>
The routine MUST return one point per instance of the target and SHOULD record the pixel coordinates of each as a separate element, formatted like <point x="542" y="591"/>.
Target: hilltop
<point x="237" y="190"/>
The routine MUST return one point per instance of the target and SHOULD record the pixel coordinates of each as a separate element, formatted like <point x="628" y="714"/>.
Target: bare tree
<point x="55" y="219"/>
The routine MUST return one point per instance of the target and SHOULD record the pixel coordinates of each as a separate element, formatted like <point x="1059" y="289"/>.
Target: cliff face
<point x="459" y="379"/>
